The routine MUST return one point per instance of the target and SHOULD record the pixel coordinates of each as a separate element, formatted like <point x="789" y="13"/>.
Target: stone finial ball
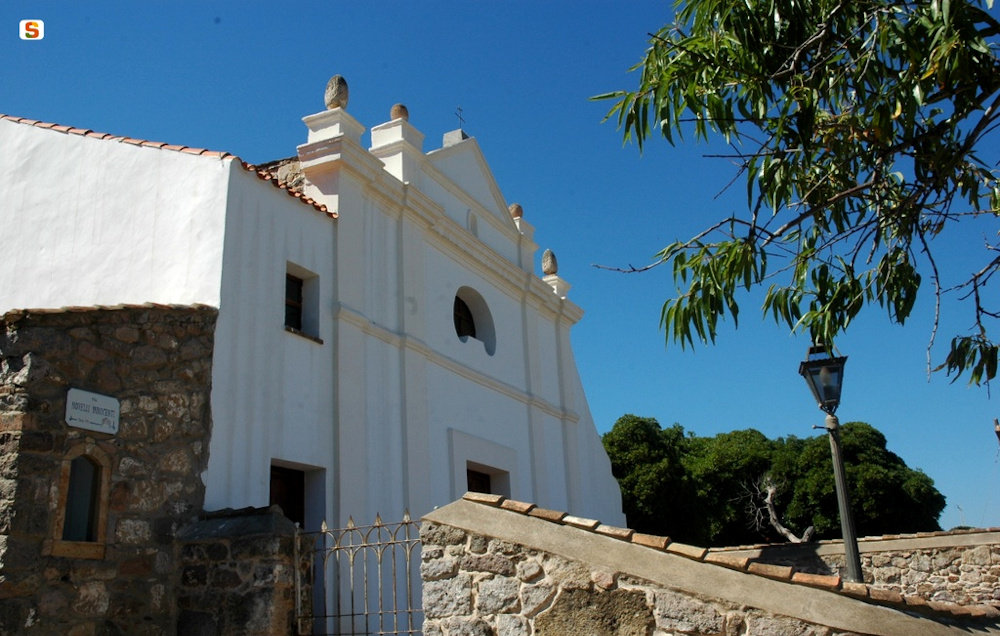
<point x="399" y="111"/>
<point x="549" y="264"/>
<point x="336" y="93"/>
<point x="515" y="210"/>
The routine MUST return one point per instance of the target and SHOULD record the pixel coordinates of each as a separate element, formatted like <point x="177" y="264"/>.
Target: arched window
<point x="82" y="500"/>
<point x="473" y="318"/>
<point x="80" y="522"/>
<point x="465" y="324"/>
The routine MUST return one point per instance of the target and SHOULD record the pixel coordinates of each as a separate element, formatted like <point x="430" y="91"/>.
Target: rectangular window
<point x="293" y="302"/>
<point x="478" y="482"/>
<point x="302" y="302"/>
<point x="82" y="500"/>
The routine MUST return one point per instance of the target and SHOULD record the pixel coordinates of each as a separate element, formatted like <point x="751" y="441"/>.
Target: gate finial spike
<point x="406" y="515"/>
<point x="350" y="522"/>
<point x="378" y="519"/>
<point x="323" y="527"/>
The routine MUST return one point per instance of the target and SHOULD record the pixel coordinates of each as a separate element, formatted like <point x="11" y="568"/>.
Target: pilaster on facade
<point x="333" y="146"/>
<point x="526" y="246"/>
<point x="400" y="147"/>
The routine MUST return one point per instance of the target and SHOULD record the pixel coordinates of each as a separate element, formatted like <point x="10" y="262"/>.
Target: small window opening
<point x="288" y="490"/>
<point x="464" y="323"/>
<point x="293" y="302"/>
<point x="80" y="520"/>
<point x="82" y="500"/>
<point x="478" y="482"/>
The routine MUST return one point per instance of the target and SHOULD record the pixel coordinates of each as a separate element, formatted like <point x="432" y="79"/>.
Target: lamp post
<point x="825" y="376"/>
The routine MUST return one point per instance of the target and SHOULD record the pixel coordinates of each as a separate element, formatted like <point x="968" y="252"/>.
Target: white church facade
<point x="382" y="342"/>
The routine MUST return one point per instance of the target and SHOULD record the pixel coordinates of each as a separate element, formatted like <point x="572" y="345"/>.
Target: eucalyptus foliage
<point x="859" y="126"/>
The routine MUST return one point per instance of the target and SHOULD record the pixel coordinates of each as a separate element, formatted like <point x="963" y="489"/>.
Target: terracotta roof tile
<point x="780" y="572"/>
<point x="650" y="540"/>
<point x="517" y="506"/>
<point x="549" y="515"/>
<point x="884" y="595"/>
<point x="479" y="497"/>
<point x="261" y="174"/>
<point x="732" y="562"/>
<point x="580" y="522"/>
<point x="625" y="534"/>
<point x="689" y="551"/>
<point x="816" y="580"/>
<point x="851" y="588"/>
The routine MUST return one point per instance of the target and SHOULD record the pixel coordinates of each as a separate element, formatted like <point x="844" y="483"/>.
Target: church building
<point x="382" y="343"/>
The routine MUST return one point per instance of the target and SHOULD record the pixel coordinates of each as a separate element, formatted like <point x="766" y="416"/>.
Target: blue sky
<point x="239" y="76"/>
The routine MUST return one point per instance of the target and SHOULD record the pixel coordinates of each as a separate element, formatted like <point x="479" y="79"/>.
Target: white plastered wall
<point x="90" y="221"/>
<point x="273" y="391"/>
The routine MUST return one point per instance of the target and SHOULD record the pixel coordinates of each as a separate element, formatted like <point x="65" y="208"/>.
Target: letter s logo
<point x="32" y="30"/>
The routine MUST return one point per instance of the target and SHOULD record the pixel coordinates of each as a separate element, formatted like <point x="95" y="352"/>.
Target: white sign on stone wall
<point x="92" y="411"/>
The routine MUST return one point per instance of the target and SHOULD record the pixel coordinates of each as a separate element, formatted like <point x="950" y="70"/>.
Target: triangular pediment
<point x="464" y="164"/>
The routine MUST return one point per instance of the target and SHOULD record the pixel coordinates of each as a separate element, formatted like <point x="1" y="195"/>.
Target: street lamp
<point x="825" y="376"/>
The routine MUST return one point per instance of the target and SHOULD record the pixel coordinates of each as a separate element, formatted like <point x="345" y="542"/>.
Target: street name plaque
<point x="92" y="411"/>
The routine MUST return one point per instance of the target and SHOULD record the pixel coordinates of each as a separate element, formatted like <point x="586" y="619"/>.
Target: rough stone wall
<point x="959" y="567"/>
<point x="956" y="575"/>
<point x="157" y="361"/>
<point x="239" y="575"/>
<point x="475" y="585"/>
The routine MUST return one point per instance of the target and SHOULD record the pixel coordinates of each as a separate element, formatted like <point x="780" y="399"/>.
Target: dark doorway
<point x="288" y="490"/>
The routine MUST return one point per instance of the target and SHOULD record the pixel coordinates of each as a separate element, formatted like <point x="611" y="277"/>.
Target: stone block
<point x="494" y="563"/>
<point x="617" y="613"/>
<point x="529" y="571"/>
<point x="536" y="598"/>
<point x="91" y="599"/>
<point x="681" y="613"/>
<point x="467" y="627"/>
<point x="498" y="596"/>
<point x="434" y="534"/>
<point x="192" y="623"/>
<point x="449" y="597"/>
<point x="437" y="569"/>
<point x="509" y="625"/>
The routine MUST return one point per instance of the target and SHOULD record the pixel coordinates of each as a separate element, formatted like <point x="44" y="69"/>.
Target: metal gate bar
<point x="366" y="574"/>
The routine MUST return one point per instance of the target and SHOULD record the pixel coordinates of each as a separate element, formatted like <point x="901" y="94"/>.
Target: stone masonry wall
<point x="239" y="575"/>
<point x="497" y="567"/>
<point x="478" y="586"/>
<point x="961" y="567"/>
<point x="157" y="361"/>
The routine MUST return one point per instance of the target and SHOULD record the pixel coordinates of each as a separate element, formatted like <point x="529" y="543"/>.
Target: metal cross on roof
<point x="461" y="120"/>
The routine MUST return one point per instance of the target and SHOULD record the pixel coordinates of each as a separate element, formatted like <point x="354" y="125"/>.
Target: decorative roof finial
<point x="399" y="111"/>
<point x="516" y="211"/>
<point x="336" y="93"/>
<point x="549" y="264"/>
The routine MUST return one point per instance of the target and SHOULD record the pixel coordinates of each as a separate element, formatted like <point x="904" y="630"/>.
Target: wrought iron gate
<point x="364" y="579"/>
